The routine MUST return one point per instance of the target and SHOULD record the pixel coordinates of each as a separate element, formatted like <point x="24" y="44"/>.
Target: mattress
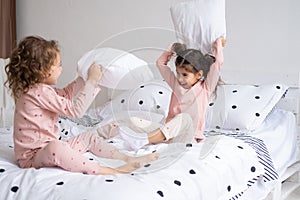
<point x="224" y="166"/>
<point x="279" y="132"/>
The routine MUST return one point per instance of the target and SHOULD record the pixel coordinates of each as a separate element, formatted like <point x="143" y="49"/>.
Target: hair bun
<point x="209" y="59"/>
<point x="178" y="48"/>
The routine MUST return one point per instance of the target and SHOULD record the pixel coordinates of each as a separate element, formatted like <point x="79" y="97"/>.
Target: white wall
<point x="261" y="34"/>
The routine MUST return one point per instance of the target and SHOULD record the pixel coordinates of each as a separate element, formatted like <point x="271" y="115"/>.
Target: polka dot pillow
<point x="242" y="107"/>
<point x="153" y="97"/>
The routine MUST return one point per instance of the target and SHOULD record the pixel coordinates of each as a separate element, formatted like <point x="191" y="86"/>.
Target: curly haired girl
<point x="34" y="66"/>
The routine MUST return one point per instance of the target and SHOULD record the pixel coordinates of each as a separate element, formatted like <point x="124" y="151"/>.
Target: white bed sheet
<point x="183" y="172"/>
<point x="279" y="133"/>
<point x="215" y="169"/>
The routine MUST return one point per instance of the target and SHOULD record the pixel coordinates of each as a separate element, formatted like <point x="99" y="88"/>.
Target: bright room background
<point x="261" y="35"/>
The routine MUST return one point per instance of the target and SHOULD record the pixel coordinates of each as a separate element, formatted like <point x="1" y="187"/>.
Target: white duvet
<point x="222" y="167"/>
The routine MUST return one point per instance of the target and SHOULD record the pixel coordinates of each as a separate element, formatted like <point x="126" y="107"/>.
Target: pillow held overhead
<point x="199" y="23"/>
<point x="121" y="70"/>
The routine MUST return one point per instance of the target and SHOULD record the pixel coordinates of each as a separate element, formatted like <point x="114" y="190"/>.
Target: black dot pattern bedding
<point x="226" y="168"/>
<point x="242" y="107"/>
<point x="152" y="96"/>
<point x="227" y="164"/>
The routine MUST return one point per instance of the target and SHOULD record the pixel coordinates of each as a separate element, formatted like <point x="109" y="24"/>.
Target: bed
<point x="231" y="163"/>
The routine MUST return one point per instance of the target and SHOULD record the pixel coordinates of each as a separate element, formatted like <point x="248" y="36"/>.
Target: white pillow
<point x="153" y="97"/>
<point x="199" y="23"/>
<point x="242" y="107"/>
<point x="121" y="70"/>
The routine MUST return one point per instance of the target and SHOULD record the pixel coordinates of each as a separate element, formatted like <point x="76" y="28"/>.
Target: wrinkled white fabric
<point x="199" y="23"/>
<point x="121" y="70"/>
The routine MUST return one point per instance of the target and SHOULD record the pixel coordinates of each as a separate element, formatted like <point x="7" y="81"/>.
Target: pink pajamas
<point x="36" y="135"/>
<point x="193" y="101"/>
<point x="69" y="154"/>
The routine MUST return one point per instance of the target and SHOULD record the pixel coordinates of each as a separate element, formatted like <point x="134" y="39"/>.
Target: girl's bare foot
<point x="128" y="167"/>
<point x="144" y="159"/>
<point x="124" y="169"/>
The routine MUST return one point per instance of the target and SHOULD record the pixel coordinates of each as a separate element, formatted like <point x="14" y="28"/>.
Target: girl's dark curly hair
<point x="194" y="61"/>
<point x="186" y="57"/>
<point x="30" y="63"/>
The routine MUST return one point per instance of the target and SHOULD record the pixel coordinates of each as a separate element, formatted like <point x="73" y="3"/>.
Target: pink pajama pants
<point x="69" y="154"/>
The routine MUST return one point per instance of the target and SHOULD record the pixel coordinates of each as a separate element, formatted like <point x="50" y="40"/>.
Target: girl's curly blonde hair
<point x="30" y="63"/>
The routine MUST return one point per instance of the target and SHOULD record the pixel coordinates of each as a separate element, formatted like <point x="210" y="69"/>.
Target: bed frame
<point x="290" y="180"/>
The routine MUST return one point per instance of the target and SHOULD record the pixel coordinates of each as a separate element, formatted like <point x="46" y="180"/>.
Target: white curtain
<point x="6" y="101"/>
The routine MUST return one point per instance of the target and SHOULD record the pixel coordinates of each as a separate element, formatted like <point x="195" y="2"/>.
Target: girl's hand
<point x="220" y="41"/>
<point x="171" y="50"/>
<point x="95" y="73"/>
<point x="223" y="41"/>
<point x="198" y="140"/>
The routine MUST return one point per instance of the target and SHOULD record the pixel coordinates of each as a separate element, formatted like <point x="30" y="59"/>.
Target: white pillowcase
<point x="242" y="107"/>
<point x="199" y="23"/>
<point x="121" y="70"/>
<point x="152" y="97"/>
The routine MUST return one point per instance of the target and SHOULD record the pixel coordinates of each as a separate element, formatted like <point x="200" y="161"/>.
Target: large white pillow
<point x="121" y="70"/>
<point x="152" y="97"/>
<point x="199" y="23"/>
<point x="242" y="107"/>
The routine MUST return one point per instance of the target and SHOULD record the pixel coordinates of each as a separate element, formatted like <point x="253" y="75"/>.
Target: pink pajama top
<point x="195" y="100"/>
<point x="37" y="112"/>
